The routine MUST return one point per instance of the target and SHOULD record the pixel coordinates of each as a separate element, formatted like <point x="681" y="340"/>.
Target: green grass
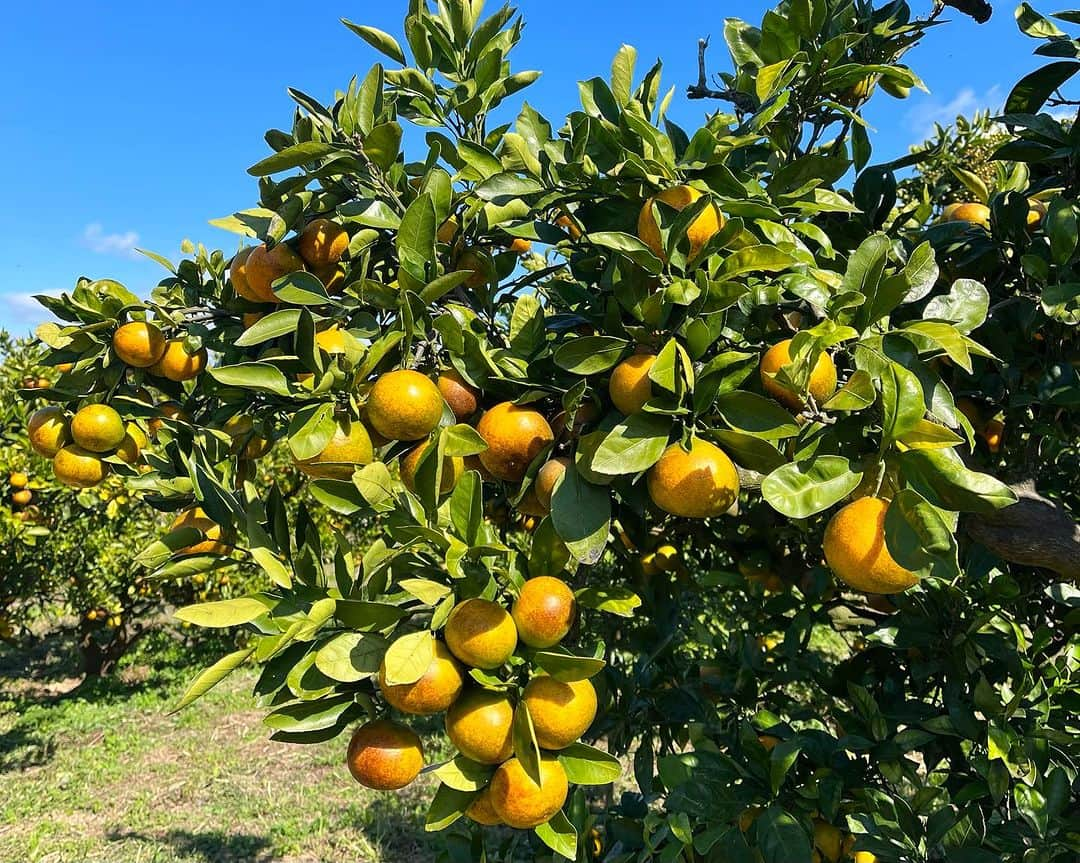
<point x="102" y="773"/>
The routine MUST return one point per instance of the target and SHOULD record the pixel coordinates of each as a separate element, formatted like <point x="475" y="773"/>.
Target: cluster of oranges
<point x="482" y="634"/>
<point x="21" y="495"/>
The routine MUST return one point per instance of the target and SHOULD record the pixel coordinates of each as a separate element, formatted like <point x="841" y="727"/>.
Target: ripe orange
<point x="18" y="480"/>
<point x="828" y="840"/>
<point x="176" y="364"/>
<point x="249" y="319"/>
<point x="404" y="405"/>
<point x="463" y="397"/>
<point x="323" y="243"/>
<point x="97" y="428"/>
<point x="855" y="549"/>
<point x="629" y="385"/>
<point x="567" y="223"/>
<point x="822" y="379"/>
<point x="348" y="448"/>
<point x="48" y="430"/>
<point x="433" y="693"/>
<point x="515" y="436"/>
<point x="701" y="230"/>
<point x="478" y="264"/>
<point x="79" y="468"/>
<point x="481" y="633"/>
<point x="544" y="611"/>
<point x="238" y="274"/>
<point x="139" y="344"/>
<point x="22" y="497"/>
<point x="195" y="517"/>
<point x="975" y="214"/>
<point x="332" y="276"/>
<point x="561" y="711"/>
<point x="546" y="477"/>
<point x="265" y="266"/>
<point x="332" y="340"/>
<point x="447" y="230"/>
<point x="384" y="755"/>
<point x="519" y="801"/>
<point x="992" y="433"/>
<point x="479" y="724"/>
<point x="131" y="447"/>
<point x="481" y="811"/>
<point x="453" y="469"/>
<point x="168" y="410"/>
<point x="520" y="246"/>
<point x="696" y="484"/>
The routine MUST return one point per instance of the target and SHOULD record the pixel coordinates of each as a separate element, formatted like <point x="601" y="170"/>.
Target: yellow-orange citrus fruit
<point x="1036" y="212"/>
<point x="332" y="276"/>
<point x="348" y="448"/>
<point x="79" y="468"/>
<point x="97" y="428"/>
<point x="696" y="484"/>
<point x="447" y="230"/>
<point x="561" y="711"/>
<point x="167" y="410"/>
<point x="629" y="385"/>
<point x="18" y="479"/>
<point x="566" y="222"/>
<point x="481" y="633"/>
<point x="176" y="364"/>
<point x="822" y="379"/>
<point x="434" y="692"/>
<point x="520" y="246"/>
<point x="249" y="319"/>
<point x="384" y="755"/>
<point x="265" y="266"/>
<point x="667" y="557"/>
<point x="519" y="801"/>
<point x="546" y="477"/>
<point x="748" y="816"/>
<point x="543" y="611"/>
<point x="970" y="408"/>
<point x="828" y="840"/>
<point x="238" y="274"/>
<point x="323" y="243"/>
<point x="453" y="468"/>
<point x="196" y="518"/>
<point x="139" y="344"/>
<point x="22" y="497"/>
<point x="64" y="368"/>
<point x="992" y="433"/>
<point x="478" y="264"/>
<point x="768" y="742"/>
<point x="404" y="405"/>
<point x="48" y="430"/>
<point x="515" y="436"/>
<point x="131" y="447"/>
<point x="480" y="724"/>
<point x="865" y="857"/>
<point x="463" y="397"/>
<point x="855" y="549"/>
<point x="701" y="230"/>
<point x="481" y="811"/>
<point x="975" y="214"/>
<point x="332" y="340"/>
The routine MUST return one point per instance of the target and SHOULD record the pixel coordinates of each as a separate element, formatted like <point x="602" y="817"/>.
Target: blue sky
<point x="131" y="124"/>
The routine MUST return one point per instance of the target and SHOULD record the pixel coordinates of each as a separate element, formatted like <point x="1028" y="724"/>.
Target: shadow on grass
<point x="210" y="846"/>
<point x="396" y="830"/>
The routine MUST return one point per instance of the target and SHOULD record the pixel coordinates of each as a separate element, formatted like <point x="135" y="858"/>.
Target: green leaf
<point x="581" y="513"/>
<point x="226" y="612"/>
<point x="588" y="355"/>
<point x="261" y="377"/>
<point x="559" y="835"/>
<point x="210" y="677"/>
<point x="1030" y="93"/>
<point x="292" y="157"/>
<point x="941" y="477"/>
<point x="409" y="657"/>
<point x="1061" y="227"/>
<point x="427" y="591"/>
<point x="627" y="245"/>
<point x="446" y="807"/>
<point x="311" y="429"/>
<point x="612" y="599"/>
<point x="856" y="394"/>
<point x="311" y="715"/>
<point x="272" y="326"/>
<point x="350" y="656"/>
<point x="1032" y="806"/>
<point x="462" y="440"/>
<point x="587" y="765"/>
<point x="918" y="538"/>
<point x="754" y="414"/>
<point x="462" y="774"/>
<point x="965" y="305"/>
<point x="301" y="289"/>
<point x="277" y="571"/>
<point x="781" y="760"/>
<point x="751" y="259"/>
<point x="780" y="837"/>
<point x="567" y="668"/>
<point x="634" y="445"/>
<point x="903" y="405"/>
<point x="526" y="748"/>
<point x="378" y="40"/>
<point x="801" y="489"/>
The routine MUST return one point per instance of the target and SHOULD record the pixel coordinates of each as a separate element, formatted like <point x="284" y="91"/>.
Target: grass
<point x="101" y="774"/>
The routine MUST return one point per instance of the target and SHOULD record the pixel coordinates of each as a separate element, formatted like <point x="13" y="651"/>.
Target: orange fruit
<point x="22" y="497"/>
<point x="992" y="433"/>
<point x="520" y="246"/>
<point x="18" y="480"/>
<point x="546" y="477"/>
<point x="515" y="436"/>
<point x="696" y="484"/>
<point x="828" y="840"/>
<point x="447" y="230"/>
<point x="479" y="724"/>
<point x="561" y="711"/>
<point x="249" y="319"/>
<point x="196" y="517"/>
<point x="238" y="274"/>
<point x="629" y="386"/>
<point x="701" y="230"/>
<point x="176" y="364"/>
<point x="347" y="449"/>
<point x="168" y="410"/>
<point x="131" y="447"/>
<point x="479" y="264"/>
<point x="384" y="755"/>
<point x="855" y="549"/>
<point x="404" y="405"/>
<point x="332" y="276"/>
<point x="434" y="692"/>
<point x="453" y="469"/>
<point x="567" y="223"/>
<point x="97" y="428"/>
<point x="79" y="468"/>
<point x="543" y="611"/>
<point x="463" y="397"/>
<point x="481" y="633"/>
<point x="48" y="430"/>
<point x="323" y="243"/>
<point x="822" y="379"/>
<point x="519" y="801"/>
<point x="481" y="811"/>
<point x="975" y="214"/>
<point x="332" y="340"/>
<point x="139" y="344"/>
<point x="265" y="266"/>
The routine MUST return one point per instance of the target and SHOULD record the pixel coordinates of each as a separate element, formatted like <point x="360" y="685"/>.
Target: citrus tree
<point x="654" y="437"/>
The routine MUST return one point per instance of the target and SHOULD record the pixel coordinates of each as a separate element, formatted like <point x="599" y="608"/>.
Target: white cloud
<point x="95" y="239"/>
<point x="21" y="309"/>
<point x="922" y="116"/>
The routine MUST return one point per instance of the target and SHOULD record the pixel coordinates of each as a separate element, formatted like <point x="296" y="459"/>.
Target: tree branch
<point x="702" y="90"/>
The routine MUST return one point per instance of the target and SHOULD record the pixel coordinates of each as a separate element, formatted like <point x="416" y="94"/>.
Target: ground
<point x="102" y="774"/>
